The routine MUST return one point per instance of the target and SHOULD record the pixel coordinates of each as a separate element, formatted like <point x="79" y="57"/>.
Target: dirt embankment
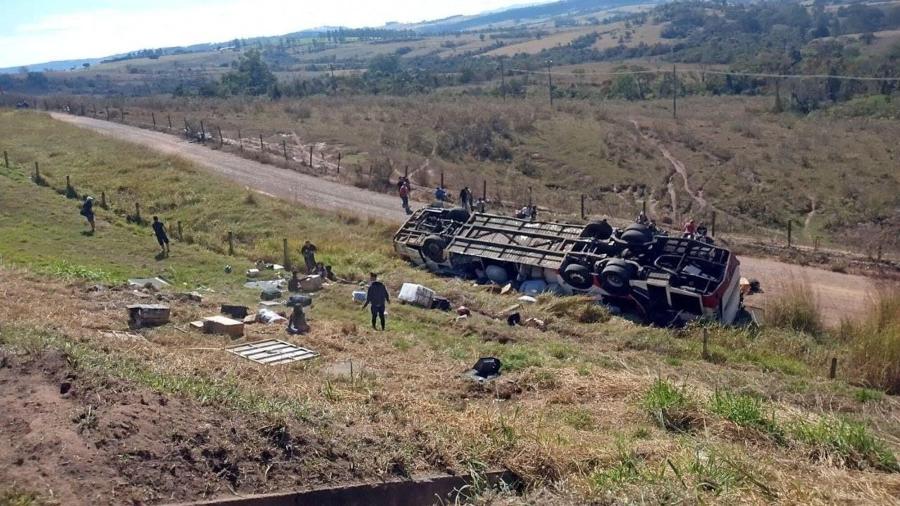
<point x="839" y="295"/>
<point x="111" y="443"/>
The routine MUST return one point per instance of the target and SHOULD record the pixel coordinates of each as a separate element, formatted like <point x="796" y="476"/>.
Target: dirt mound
<point x="105" y="442"/>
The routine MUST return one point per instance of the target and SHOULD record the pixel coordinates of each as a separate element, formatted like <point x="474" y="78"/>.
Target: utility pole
<point x="550" y="81"/>
<point x="674" y="93"/>
<point x="502" y="81"/>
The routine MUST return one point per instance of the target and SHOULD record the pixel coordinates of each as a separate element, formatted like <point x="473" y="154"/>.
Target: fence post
<point x="582" y="206"/>
<point x="221" y="139"/>
<point x="180" y="232"/>
<point x="137" y="212"/>
<point x="714" y="223"/>
<point x="310" y="156"/>
<point x="484" y="190"/>
<point x="530" y="200"/>
<point x="790" y="223"/>
<point x="339" y="163"/>
<point x="230" y="242"/>
<point x="107" y="114"/>
<point x="816" y="244"/>
<point x="833" y="372"/>
<point x="82" y="109"/>
<point x="68" y="184"/>
<point x="103" y="200"/>
<point x="37" y="172"/>
<point x="705" y="343"/>
<point x="406" y="171"/>
<point x="284" y="148"/>
<point x="202" y="132"/>
<point x="6" y="158"/>
<point x="153" y="116"/>
<point x="169" y="116"/>
<point x="240" y="140"/>
<point x="262" y="147"/>
<point x="187" y="128"/>
<point x="442" y="179"/>
<point x="287" y="257"/>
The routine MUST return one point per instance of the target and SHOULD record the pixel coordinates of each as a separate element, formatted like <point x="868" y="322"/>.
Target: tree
<point x="252" y="76"/>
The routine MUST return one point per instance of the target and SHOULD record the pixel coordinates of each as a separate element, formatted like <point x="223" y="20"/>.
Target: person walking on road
<point x="87" y="210"/>
<point x="377" y="296"/>
<point x="161" y="237"/>
<point x="404" y="197"/>
<point x="309" y="256"/>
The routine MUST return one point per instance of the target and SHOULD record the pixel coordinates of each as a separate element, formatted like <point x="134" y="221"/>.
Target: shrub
<point x="847" y="443"/>
<point x="874" y="343"/>
<point x="746" y="411"/>
<point x="795" y="309"/>
<point x="669" y="406"/>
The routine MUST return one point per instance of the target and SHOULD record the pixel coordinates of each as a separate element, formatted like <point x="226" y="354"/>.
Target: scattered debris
<point x="486" y="369"/>
<point x="276" y="284"/>
<point x="147" y="315"/>
<point x="154" y="283"/>
<point x="270" y="303"/>
<point x="268" y="316"/>
<point x="299" y="300"/>
<point x="224" y="326"/>
<point x="463" y="311"/>
<point x="189" y="296"/>
<point x="125" y="336"/>
<point x="440" y="303"/>
<point x="236" y="312"/>
<point x="272" y="352"/>
<point x="416" y="295"/>
<point x="536" y="323"/>
<point x="527" y="299"/>
<point x="270" y="294"/>
<point x="228" y="269"/>
<point x="514" y="319"/>
<point x="312" y="283"/>
<point x="359" y="296"/>
<point x="252" y="273"/>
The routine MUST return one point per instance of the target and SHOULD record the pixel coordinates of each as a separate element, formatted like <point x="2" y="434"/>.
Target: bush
<point x="669" y="406"/>
<point x="795" y="309"/>
<point x="746" y="411"/>
<point x="847" y="443"/>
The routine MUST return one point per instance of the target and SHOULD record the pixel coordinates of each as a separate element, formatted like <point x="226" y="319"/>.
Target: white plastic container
<point x="417" y="295"/>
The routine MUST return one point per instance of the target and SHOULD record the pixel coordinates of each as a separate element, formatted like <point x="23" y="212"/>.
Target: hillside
<point x="592" y="408"/>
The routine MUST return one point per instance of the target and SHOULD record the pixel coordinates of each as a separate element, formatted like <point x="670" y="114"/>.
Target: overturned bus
<point x="663" y="279"/>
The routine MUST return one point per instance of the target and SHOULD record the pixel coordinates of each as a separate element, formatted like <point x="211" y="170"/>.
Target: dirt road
<point x="839" y="295"/>
<point x="285" y="184"/>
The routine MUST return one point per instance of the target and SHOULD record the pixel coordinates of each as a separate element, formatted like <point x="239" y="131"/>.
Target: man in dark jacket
<point x="308" y="251"/>
<point x="161" y="237"/>
<point x="377" y="297"/>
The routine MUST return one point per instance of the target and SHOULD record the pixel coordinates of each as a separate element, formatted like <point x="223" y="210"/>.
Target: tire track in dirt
<point x="838" y="295"/>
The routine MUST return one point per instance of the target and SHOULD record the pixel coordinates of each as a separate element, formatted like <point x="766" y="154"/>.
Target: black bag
<point x="487" y="367"/>
<point x="299" y="300"/>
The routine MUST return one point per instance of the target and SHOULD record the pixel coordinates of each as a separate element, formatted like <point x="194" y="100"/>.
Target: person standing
<point x="161" y="237"/>
<point x="404" y="197"/>
<point x="308" y="251"/>
<point x="377" y="296"/>
<point x="690" y="228"/>
<point x="440" y="194"/>
<point x="87" y="210"/>
<point x="465" y="198"/>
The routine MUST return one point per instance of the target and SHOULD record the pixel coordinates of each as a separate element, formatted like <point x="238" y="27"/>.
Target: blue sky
<point x="45" y="30"/>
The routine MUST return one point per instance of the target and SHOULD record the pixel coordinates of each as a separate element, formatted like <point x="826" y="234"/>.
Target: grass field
<point x="604" y="410"/>
<point x="756" y="169"/>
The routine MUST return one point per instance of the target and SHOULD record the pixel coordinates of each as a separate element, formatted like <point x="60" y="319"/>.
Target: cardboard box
<point x="224" y="326"/>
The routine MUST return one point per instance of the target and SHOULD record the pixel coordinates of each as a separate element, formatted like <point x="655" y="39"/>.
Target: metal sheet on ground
<point x="272" y="352"/>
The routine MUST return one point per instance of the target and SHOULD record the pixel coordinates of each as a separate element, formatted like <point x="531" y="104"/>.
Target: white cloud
<point x="104" y="32"/>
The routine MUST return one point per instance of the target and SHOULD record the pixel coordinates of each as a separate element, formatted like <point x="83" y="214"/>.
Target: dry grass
<point x="874" y="343"/>
<point x="795" y="308"/>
